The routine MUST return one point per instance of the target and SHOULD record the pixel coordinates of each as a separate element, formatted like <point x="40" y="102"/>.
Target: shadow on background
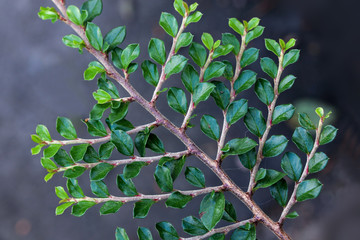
<point x="42" y="79"/>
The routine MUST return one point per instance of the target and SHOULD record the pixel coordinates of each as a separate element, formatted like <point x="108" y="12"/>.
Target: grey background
<point x="42" y="79"/>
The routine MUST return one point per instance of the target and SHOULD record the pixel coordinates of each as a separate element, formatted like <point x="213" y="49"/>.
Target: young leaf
<point x="43" y="133"/>
<point x="250" y="55"/>
<point x="215" y="69"/>
<point x="61" y="209"/>
<point x="246" y="232"/>
<point x="195" y="177"/>
<point x="264" y="91"/>
<point x="75" y="15"/>
<point x="169" y="24"/>
<point x="167" y="231"/>
<point x="133" y="169"/>
<point x="221" y="94"/>
<point x="142" y="207"/>
<point x="115" y="37"/>
<point x="275" y="145"/>
<point x="176" y="99"/>
<point x="80" y="208"/>
<point x="212" y="209"/>
<point x="210" y="127"/>
<point x="101" y="96"/>
<point x="279" y="191"/>
<point x="282" y="113"/>
<point x="144" y="234"/>
<point x="65" y="128"/>
<point x="36" y="150"/>
<point x="292" y="166"/>
<point x="202" y="92"/>
<point x="318" y="162"/>
<point x="126" y="186"/>
<point x="238" y="146"/>
<point x="122" y="142"/>
<point x="184" y="40"/>
<point x="93" y="34"/>
<point x="303" y="140"/>
<point x="290" y="44"/>
<point x="157" y="51"/>
<point x="110" y="207"/>
<point x="246" y="79"/>
<point x="155" y="144"/>
<point x="269" y="67"/>
<point x="292" y="215"/>
<point x="207" y="40"/>
<point x="129" y="54"/>
<point x="179" y="7"/>
<point x="273" y="46"/>
<point x="222" y="50"/>
<point x="175" y="65"/>
<point x="228" y="38"/>
<point x="308" y="189"/>
<point x="229" y="212"/>
<point x="255" y="122"/>
<point x="100" y="171"/>
<point x="193" y="226"/>
<point x="99" y="189"/>
<point x="327" y="134"/>
<point x="121" y="234"/>
<point x="163" y="178"/>
<point x="198" y="54"/>
<point x="93" y="69"/>
<point x="178" y="200"/>
<point x="60" y="193"/>
<point x="291" y="57"/>
<point x="195" y="17"/>
<point x="48" y="14"/>
<point x="254" y="22"/>
<point x="257" y="32"/>
<point x="236" y="111"/>
<point x="305" y="121"/>
<point x="48" y="164"/>
<point x="236" y="25"/>
<point x="190" y="78"/>
<point x="93" y="8"/>
<point x="286" y="83"/>
<point x="271" y="177"/>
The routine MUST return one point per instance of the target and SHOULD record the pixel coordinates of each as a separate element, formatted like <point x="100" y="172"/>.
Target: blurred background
<point x="42" y="79"/>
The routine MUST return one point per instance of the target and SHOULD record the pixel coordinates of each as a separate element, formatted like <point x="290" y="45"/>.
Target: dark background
<point x="42" y="79"/>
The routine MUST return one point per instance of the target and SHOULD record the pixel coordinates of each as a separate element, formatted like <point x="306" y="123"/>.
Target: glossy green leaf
<point x="96" y="128"/>
<point x="318" y="162"/>
<point x="74" y="188"/>
<point x="105" y="150"/>
<point x="109" y="87"/>
<point x="214" y="70"/>
<point x="195" y="177"/>
<point x="246" y="232"/>
<point x="292" y="166"/>
<point x="190" y="78"/>
<point x="195" y="17"/>
<point x="51" y="150"/>
<point x="303" y="140"/>
<point x="101" y="96"/>
<point x="184" y="40"/>
<point x="115" y="37"/>
<point x="248" y="159"/>
<point x="99" y="189"/>
<point x="141" y="140"/>
<point x="93" y="8"/>
<point x="221" y="94"/>
<point x="93" y="69"/>
<point x="36" y="150"/>
<point x="279" y="191"/>
<point x="305" y="121"/>
<point x="179" y="7"/>
<point x="283" y="113"/>
<point x="328" y="134"/>
<point x="198" y="54"/>
<point x="222" y="50"/>
<point x="123" y="142"/>
<point x="110" y="207"/>
<point x="35" y="138"/>
<point x="119" y="113"/>
<point x="178" y="200"/>
<point x="291" y="57"/>
<point x="169" y="23"/>
<point x="255" y="33"/>
<point x="155" y="144"/>
<point x="270" y="178"/>
<point x="273" y="46"/>
<point x="65" y="128"/>
<point x="126" y="186"/>
<point x="175" y="165"/>
<point x="237" y="26"/>
<point x="229" y="212"/>
<point x="254" y="22"/>
<point x="228" y="38"/>
<point x="176" y="99"/>
<point x="210" y="127"/>
<point x="202" y="92"/>
<point x="121" y="234"/>
<point x="269" y="67"/>
<point x="144" y="234"/>
<point x="77" y="152"/>
<point x="308" y="189"/>
<point x="255" y="122"/>
<point x="275" y="145"/>
<point x="48" y="13"/>
<point x="250" y="55"/>
<point x="63" y="159"/>
<point x="157" y="50"/>
<point x="122" y="124"/>
<point x="212" y="209"/>
<point x="98" y="111"/>
<point x="48" y="164"/>
<point x="260" y="174"/>
<point x="133" y="169"/>
<point x="238" y="146"/>
<point x="163" y="178"/>
<point x="48" y="176"/>
<point x="286" y="83"/>
<point x="236" y="111"/>
<point x="142" y="207"/>
<point x="93" y="34"/>
<point x="193" y="226"/>
<point x="80" y="208"/>
<point x="207" y="40"/>
<point x="129" y="54"/>
<point x="74" y="172"/>
<point x="264" y="91"/>
<point x="290" y="44"/>
<point x="292" y="215"/>
<point x="91" y="156"/>
<point x="100" y="171"/>
<point x="245" y="80"/>
<point x="175" y="65"/>
<point x="74" y="41"/>
<point x="167" y="231"/>
<point x="61" y="209"/>
<point x="75" y="15"/>
<point x="116" y="57"/>
<point x="150" y="72"/>
<point x="60" y="193"/>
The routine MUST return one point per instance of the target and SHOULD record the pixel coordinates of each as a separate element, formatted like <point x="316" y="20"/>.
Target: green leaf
<point x="286" y="83"/>
<point x="141" y="208"/>
<point x="275" y="145"/>
<point x="110" y="207"/>
<point x="157" y="51"/>
<point x="98" y="111"/>
<point x="155" y="144"/>
<point x="93" y="8"/>
<point x="150" y="72"/>
<point x="308" y="189"/>
<point x="36" y="150"/>
<point x="228" y="38"/>
<point x="320" y="112"/>
<point x="122" y="124"/>
<point x="257" y="32"/>
<point x="51" y="150"/>
<point x="327" y="134"/>
<point x="133" y="169"/>
<point x="194" y="18"/>
<point x="61" y="209"/>
<point x="93" y="33"/>
<point x="221" y="94"/>
<point x="215" y="69"/>
<point x="93" y="69"/>
<point x="269" y="67"/>
<point x="255" y="122"/>
<point x="121" y="234"/>
<point x="212" y="209"/>
<point x="290" y="44"/>
<point x="264" y="91"/>
<point x="246" y="232"/>
<point x="109" y="87"/>
<point x="35" y="138"/>
<point x="100" y="171"/>
<point x="101" y="96"/>
<point x="74" y="172"/>
<point x="60" y="193"/>
<point x="236" y="111"/>
<point x="116" y="57"/>
<point x="273" y="46"/>
<point x="144" y="234"/>
<point x="74" y="41"/>
<point x="75" y="15"/>
<point x="43" y="133"/>
<point x="217" y="236"/>
<point x="190" y="78"/>
<point x="292" y="215"/>
<point x="167" y="231"/>
<point x="291" y="57"/>
<point x="279" y="191"/>
<point x="260" y="174"/>
<point x="48" y="164"/>
<point x="246" y="79"/>
<point x="222" y="51"/>
<point x="305" y="122"/>
<point x="303" y="140"/>
<point x="80" y="208"/>
<point x="292" y="166"/>
<point x="198" y="54"/>
<point x="105" y="150"/>
<point x="119" y="113"/>
<point x="49" y="176"/>
<point x="179" y="7"/>
<point x="193" y="7"/>
<point x="236" y="25"/>
<point x="282" y="113"/>
<point x="77" y="152"/>
<point x="176" y="99"/>
<point x="63" y="159"/>
<point x="178" y="200"/>
<point x="91" y="156"/>
<point x="238" y="146"/>
<point x="175" y="165"/>
<point x="195" y="177"/>
<point x="100" y="189"/>
<point x="229" y="212"/>
<point x="210" y="127"/>
<point x="126" y="186"/>
<point x="175" y="65"/>
<point x="129" y="54"/>
<point x="248" y="159"/>
<point x="96" y="128"/>
<point x="254" y="22"/>
<point x="270" y="178"/>
<point x="132" y="68"/>
<point x="250" y="55"/>
<point x="163" y="178"/>
<point x="169" y="24"/>
<point x="115" y="37"/>
<point x="193" y="226"/>
<point x="207" y="40"/>
<point x="318" y="162"/>
<point x="184" y="40"/>
<point x="123" y="142"/>
<point x="48" y="13"/>
<point x="202" y="92"/>
<point x="74" y="188"/>
<point x="141" y="140"/>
